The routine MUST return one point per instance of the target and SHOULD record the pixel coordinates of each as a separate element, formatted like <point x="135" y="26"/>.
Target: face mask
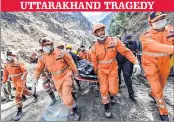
<point x="68" y="50"/>
<point x="159" y="24"/>
<point x="10" y="58"/>
<point x="47" y="49"/>
<point x="101" y="38"/>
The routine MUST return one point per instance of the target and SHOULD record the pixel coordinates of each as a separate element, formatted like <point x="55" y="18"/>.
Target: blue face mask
<point x="47" y="49"/>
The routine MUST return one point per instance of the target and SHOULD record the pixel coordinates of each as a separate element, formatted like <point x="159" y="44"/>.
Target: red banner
<point x="87" y="5"/>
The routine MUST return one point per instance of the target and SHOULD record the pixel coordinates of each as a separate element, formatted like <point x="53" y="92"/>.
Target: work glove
<point x="34" y="86"/>
<point x="136" y="69"/>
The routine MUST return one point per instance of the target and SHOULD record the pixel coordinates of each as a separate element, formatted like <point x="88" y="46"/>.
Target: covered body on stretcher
<point x="86" y="72"/>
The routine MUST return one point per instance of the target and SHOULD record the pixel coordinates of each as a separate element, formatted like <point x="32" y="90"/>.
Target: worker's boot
<point x="53" y="98"/>
<point x="19" y="114"/>
<point x="74" y="114"/>
<point x="108" y="113"/>
<point x="164" y="117"/>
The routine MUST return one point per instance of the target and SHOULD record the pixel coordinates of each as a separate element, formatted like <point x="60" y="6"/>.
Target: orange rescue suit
<point x="60" y="64"/>
<point x="15" y="70"/>
<point x="156" y="50"/>
<point x="103" y="57"/>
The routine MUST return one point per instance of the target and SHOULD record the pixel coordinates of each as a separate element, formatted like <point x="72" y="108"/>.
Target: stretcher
<point x="84" y="79"/>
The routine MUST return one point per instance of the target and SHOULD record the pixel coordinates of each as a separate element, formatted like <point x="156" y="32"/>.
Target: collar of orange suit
<point x="155" y="31"/>
<point x="106" y="41"/>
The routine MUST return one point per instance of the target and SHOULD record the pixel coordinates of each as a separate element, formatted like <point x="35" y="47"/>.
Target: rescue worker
<point x="46" y="78"/>
<point x="18" y="73"/>
<point x="57" y="63"/>
<point x="126" y="66"/>
<point x="157" y="45"/>
<point x="82" y="53"/>
<point x="75" y="59"/>
<point x="69" y="50"/>
<point x="105" y="65"/>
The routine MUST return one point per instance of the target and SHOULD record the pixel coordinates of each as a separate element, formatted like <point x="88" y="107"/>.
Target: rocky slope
<point x="106" y="20"/>
<point x="21" y="31"/>
<point x="96" y="17"/>
<point x="137" y="23"/>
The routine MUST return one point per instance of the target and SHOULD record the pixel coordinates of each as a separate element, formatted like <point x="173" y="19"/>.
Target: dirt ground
<point x="91" y="108"/>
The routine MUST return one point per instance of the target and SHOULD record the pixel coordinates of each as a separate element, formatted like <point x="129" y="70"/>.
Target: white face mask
<point x="159" y="24"/>
<point x="10" y="58"/>
<point x="101" y="38"/>
<point x="47" y="49"/>
<point x="68" y="50"/>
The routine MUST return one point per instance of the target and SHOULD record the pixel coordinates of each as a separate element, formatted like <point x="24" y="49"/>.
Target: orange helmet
<point x="155" y="15"/>
<point x="98" y="26"/>
<point x="45" y="41"/>
<point x="60" y="45"/>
